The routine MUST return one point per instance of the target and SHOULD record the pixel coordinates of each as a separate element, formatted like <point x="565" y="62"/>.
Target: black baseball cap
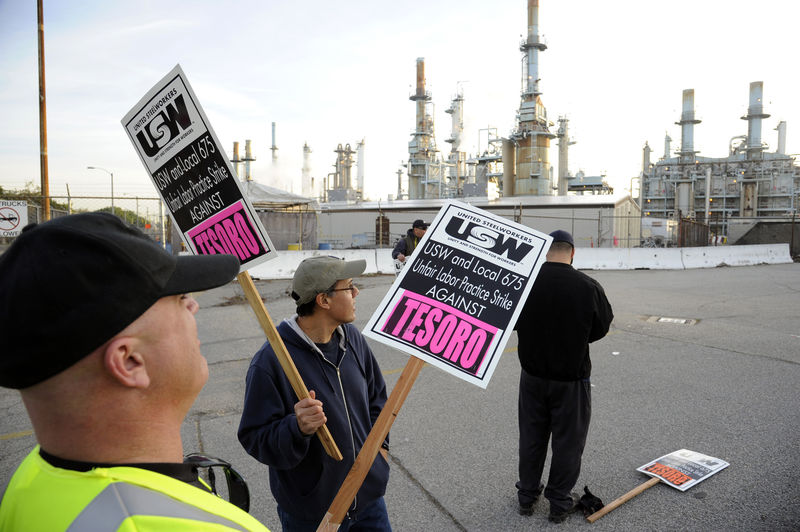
<point x="560" y="235"/>
<point x="419" y="224"/>
<point x="69" y="285"/>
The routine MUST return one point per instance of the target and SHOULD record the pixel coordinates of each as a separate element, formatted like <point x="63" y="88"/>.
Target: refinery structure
<point x="749" y="184"/>
<point x="518" y="165"/>
<point x="723" y="195"/>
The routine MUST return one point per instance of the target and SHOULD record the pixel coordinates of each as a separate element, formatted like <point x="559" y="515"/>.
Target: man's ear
<point x="125" y="364"/>
<point x="322" y="300"/>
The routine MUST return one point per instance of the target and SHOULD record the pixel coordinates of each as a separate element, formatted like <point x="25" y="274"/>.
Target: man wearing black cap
<point x="347" y="392"/>
<point x="406" y="245"/>
<point x="565" y="311"/>
<point x="99" y="336"/>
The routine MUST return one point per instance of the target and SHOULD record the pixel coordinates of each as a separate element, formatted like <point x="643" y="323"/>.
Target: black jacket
<point x="565" y="311"/>
<point x="303" y="478"/>
<point x="406" y="245"/>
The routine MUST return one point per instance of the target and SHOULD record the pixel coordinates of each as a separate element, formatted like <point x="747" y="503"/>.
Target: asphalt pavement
<point x="723" y="383"/>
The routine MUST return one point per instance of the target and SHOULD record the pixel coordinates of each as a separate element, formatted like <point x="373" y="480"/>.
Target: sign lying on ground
<point x="455" y="302"/>
<point x="683" y="469"/>
<point x="13" y="217"/>
<point x="192" y="174"/>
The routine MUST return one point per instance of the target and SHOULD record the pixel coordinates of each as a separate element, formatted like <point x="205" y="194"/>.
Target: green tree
<point x="32" y="194"/>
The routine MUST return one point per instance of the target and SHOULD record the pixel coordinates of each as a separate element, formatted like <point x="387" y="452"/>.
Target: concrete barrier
<point x="628" y="259"/>
<point x="711" y="257"/>
<point x="379" y="261"/>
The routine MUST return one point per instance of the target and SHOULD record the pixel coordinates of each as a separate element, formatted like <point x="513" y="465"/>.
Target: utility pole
<point x="45" y="183"/>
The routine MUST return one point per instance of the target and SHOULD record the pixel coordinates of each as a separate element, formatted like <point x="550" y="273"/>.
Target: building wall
<point x="612" y="224"/>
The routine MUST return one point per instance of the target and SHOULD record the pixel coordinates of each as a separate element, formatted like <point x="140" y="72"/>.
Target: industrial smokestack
<point x="236" y="160"/>
<point x="781" y="137"/>
<point x="420" y="77"/>
<point x="755" y="113"/>
<point x="563" y="155"/>
<point x="646" y="158"/>
<point x="532" y="47"/>
<point x="274" y="148"/>
<point x="687" y="125"/>
<point x="360" y="162"/>
<point x="667" y="143"/>
<point x="248" y="157"/>
<point x="307" y="184"/>
<point x="532" y="135"/>
<point x="421" y="148"/>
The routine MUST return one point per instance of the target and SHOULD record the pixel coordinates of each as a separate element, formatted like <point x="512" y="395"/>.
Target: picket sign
<point x="681" y="470"/>
<point x="472" y="269"/>
<point x="275" y="340"/>
<point x="197" y="183"/>
<point x="347" y="492"/>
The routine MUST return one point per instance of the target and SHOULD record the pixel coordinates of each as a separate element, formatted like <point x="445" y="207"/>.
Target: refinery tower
<point x="532" y="170"/>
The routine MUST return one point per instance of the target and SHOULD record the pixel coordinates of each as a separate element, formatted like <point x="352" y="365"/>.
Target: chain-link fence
<point x="365" y="228"/>
<point x="147" y="214"/>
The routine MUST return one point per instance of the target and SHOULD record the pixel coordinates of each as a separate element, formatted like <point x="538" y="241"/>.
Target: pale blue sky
<point x="337" y="72"/>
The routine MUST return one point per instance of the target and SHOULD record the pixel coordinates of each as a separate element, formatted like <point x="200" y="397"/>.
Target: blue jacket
<point x="304" y="480"/>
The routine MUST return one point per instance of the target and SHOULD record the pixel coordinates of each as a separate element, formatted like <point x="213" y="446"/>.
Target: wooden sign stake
<point x="338" y="509"/>
<point x="284" y="358"/>
<point x="618" y="502"/>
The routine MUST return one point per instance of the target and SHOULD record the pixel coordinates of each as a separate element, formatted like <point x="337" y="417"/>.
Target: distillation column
<point x="360" y="162"/>
<point x="532" y="135"/>
<point x="236" y="160"/>
<point x="748" y="205"/>
<point x="274" y="148"/>
<point x="456" y="157"/>
<point x="248" y="158"/>
<point x="684" y="194"/>
<point x="307" y="184"/>
<point x="421" y="148"/>
<point x="563" y="155"/>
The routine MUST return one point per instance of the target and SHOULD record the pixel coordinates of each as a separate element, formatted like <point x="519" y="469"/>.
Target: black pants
<point x="563" y="410"/>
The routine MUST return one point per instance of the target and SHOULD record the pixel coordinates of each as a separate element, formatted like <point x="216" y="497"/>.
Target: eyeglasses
<point x="352" y="288"/>
<point x="238" y="492"/>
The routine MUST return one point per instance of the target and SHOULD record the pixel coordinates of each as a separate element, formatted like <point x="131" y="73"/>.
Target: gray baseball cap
<point x="316" y="275"/>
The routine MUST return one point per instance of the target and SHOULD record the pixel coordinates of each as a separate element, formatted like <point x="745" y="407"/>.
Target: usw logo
<point x="164" y="127"/>
<point x="487" y="239"/>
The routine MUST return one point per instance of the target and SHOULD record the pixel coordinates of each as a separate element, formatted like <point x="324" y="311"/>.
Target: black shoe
<point x="558" y="515"/>
<point x="526" y="509"/>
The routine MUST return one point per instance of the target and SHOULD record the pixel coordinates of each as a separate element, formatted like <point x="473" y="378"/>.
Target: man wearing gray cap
<point x="565" y="311"/>
<point x="347" y="392"/>
<point x="99" y="336"/>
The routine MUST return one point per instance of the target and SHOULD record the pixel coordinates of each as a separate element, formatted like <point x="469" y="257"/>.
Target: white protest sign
<point x="683" y="469"/>
<point x="13" y="217"/>
<point x="194" y="177"/>
<point x="455" y="302"/>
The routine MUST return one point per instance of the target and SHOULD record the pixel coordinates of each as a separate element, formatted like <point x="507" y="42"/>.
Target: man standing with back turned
<point x="99" y="336"/>
<point x="565" y="311"/>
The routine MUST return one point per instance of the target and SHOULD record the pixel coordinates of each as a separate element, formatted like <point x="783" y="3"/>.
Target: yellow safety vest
<point x="126" y="499"/>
